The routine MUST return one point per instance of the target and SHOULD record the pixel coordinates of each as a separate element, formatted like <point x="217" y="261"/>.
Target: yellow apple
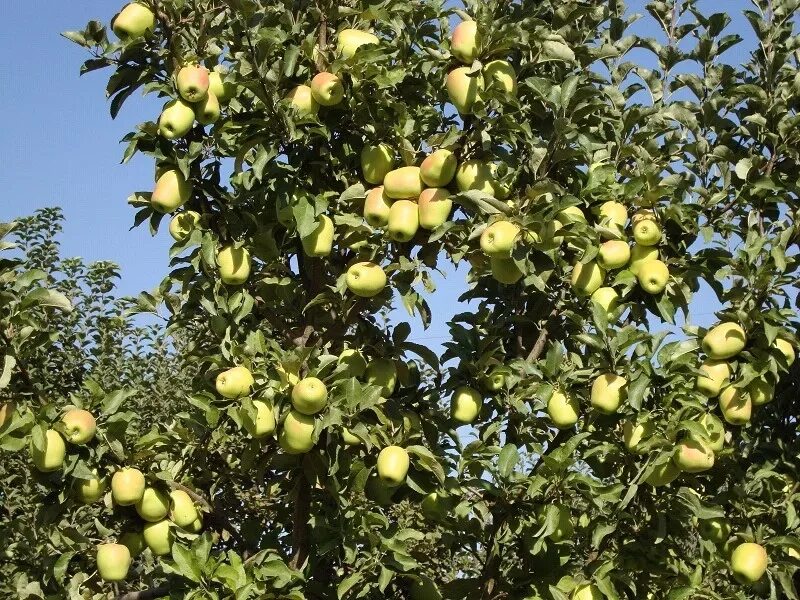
<point x="382" y="372"/>
<point x="505" y="270"/>
<point x="327" y="89"/>
<point x="354" y="362"/>
<point x="434" y="207"/>
<point x="475" y="174"/>
<point x="176" y="120"/>
<point x="182" y="225"/>
<point x="235" y="382"/>
<point x="607" y="298"/>
<point x="464" y="89"/>
<point x="289" y="373"/>
<point x="376" y="207"/>
<point x="158" y="537"/>
<point x="498" y="239"/>
<point x="182" y="509"/>
<point x="319" y="242"/>
<point x="646" y="232"/>
<point x="234" y="265"/>
<point x="613" y="216"/>
<point x="715" y="431"/>
<point x="748" y="562"/>
<point x="366" y="279"/>
<point x="89" y="490"/>
<point x="403" y="183"/>
<point x="207" y="111"/>
<point x="641" y="255"/>
<point x="725" y="340"/>
<point x="693" y="456"/>
<point x="153" y="505"/>
<point x="376" y="163"/>
<point x="735" y="405"/>
<point x="653" y="276"/>
<point x="171" y="192"/>
<point x="465" y="404"/>
<point x="587" y="591"/>
<point x="587" y="278"/>
<point x="438" y="168"/>
<point x="787" y="349"/>
<point x="393" y="464"/>
<point x="613" y="254"/>
<point x="635" y="434"/>
<point x="714" y="375"/>
<point x="499" y="74"/>
<point x="223" y="91"/>
<point x="760" y="391"/>
<point x="664" y="474"/>
<point x="349" y="439"/>
<point x="403" y="220"/>
<point x="301" y="99"/>
<point x="79" y="426"/>
<point x="309" y="396"/>
<point x="113" y="562"/>
<point x="465" y="41"/>
<point x="297" y="433"/>
<point x="6" y="413"/>
<point x="192" y="83"/>
<point x="263" y="424"/>
<point x="133" y="21"/>
<point x="350" y="40"/>
<point x="127" y="486"/>
<point x="51" y="457"/>
<point x="608" y="392"/>
<point x="571" y="214"/>
<point x="496" y="379"/>
<point x="563" y="410"/>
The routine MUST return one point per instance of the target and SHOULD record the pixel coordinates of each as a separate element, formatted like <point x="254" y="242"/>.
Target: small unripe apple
<point x="319" y="242"/>
<point x="748" y="562"/>
<point x="563" y="410"/>
<point x="309" y="396"/>
<point x="505" y="270"/>
<point x="715" y="431"/>
<point x="647" y="232"/>
<point x="158" y="537"/>
<point x="222" y="91"/>
<point x="403" y="183"/>
<point x="714" y="375"/>
<point x="465" y="404"/>
<point x="475" y="174"/>
<point x="113" y="562"/>
<point x="608" y="392"/>
<point x="234" y="265"/>
<point x="465" y="41"/>
<point x="153" y="505"/>
<point x="438" y="168"/>
<point x="403" y="220"/>
<point x="393" y="464"/>
<point x="607" y="298"/>
<point x="664" y="474"/>
<point x="354" y="362"/>
<point x="207" y="110"/>
<point x="182" y="225"/>
<point x="127" y="486"/>
<point x="693" y="456"/>
<point x="725" y="340"/>
<point x="235" y="382"/>
<point x="376" y="163"/>
<point x="133" y="21"/>
<point x="51" y="457"/>
<point x="366" y="279"/>
<point x="182" y="509"/>
<point x="171" y="192"/>
<point x="613" y="254"/>
<point x="327" y="89"/>
<point x="496" y="379"/>
<point x="301" y="99"/>
<point x="133" y="541"/>
<point x="350" y="40"/>
<point x="641" y="255"/>
<point x="587" y="278"/>
<point x="376" y="208"/>
<point x="498" y="239"/>
<point x="761" y="391"/>
<point x="716" y="530"/>
<point x="79" y="426"/>
<point x="499" y="74"/>
<point x="434" y="206"/>
<point x="735" y="405"/>
<point x="297" y="433"/>
<point x="89" y="490"/>
<point x="176" y="119"/>
<point x="587" y="591"/>
<point x="613" y="216"/>
<point x="653" y="276"/>
<point x="464" y="89"/>
<point x="634" y="434"/>
<point x="787" y="349"/>
<point x="382" y="372"/>
<point x="192" y="83"/>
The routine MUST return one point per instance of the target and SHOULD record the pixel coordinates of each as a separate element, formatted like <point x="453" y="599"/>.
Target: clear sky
<point x="60" y="147"/>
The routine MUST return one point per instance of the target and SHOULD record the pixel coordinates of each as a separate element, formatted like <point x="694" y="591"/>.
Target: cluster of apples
<point x="79" y="427"/>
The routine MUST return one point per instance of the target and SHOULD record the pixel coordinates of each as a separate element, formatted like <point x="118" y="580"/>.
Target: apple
<point x="6" y="414"/>
<point x="289" y="373"/>
<point x="176" y="120"/>
<point x="403" y="183"/>
<point x="376" y="163"/>
<point x="133" y="21"/>
<point x="182" y="509"/>
<point x="735" y="405"/>
<point x="714" y="375"/>
<point x="434" y="507"/>
<point x="505" y="270"/>
<point x="641" y="255"/>
<point x="264" y="423"/>
<point x="222" y="91"/>
<point x="127" y="486"/>
<point x="393" y="463"/>
<point x="353" y="361"/>
<point x="607" y="298"/>
<point x="235" y="382"/>
<point x="182" y="225"/>
<point x="319" y="242"/>
<point x="207" y="110"/>
<point x="613" y="254"/>
<point x="438" y="168"/>
<point x="434" y="206"/>
<point x="693" y="456"/>
<point x="51" y="458"/>
<point x="301" y="99"/>
<point x="192" y="83"/>
<point x="234" y="265"/>
<point x="465" y="404"/>
<point x="113" y="561"/>
<point x="195" y="526"/>
<point x="761" y="391"/>
<point x="79" y="426"/>
<point x="653" y="276"/>
<point x="309" y="396"/>
<point x="608" y="391"/>
<point x="716" y="530"/>
<point x="349" y="439"/>
<point x="297" y="433"/>
<point x="496" y="379"/>
<point x="571" y="214"/>
<point x="663" y="474"/>
<point x="376" y="207"/>
<point x="153" y="505"/>
<point x="715" y="431"/>
<point x="350" y="40"/>
<point x="498" y="239"/>
<point x="171" y="192"/>
<point x="793" y="552"/>
<point x="587" y="591"/>
<point x="499" y="74"/>
<point x="464" y="89"/>
<point x="403" y="220"/>
<point x="646" y="232"/>
<point x="635" y="434"/>
<point x="465" y="41"/>
<point x="748" y="562"/>
<point x="563" y="410"/>
<point x="133" y="541"/>
<point x="725" y="340"/>
<point x="366" y="279"/>
<point x="382" y="372"/>
<point x="564" y="528"/>
<point x="327" y="89"/>
<point x="89" y="490"/>
<point x="475" y="174"/>
<point x="613" y="216"/>
<point x="587" y="278"/>
<point x="158" y="537"/>
<point x="786" y="348"/>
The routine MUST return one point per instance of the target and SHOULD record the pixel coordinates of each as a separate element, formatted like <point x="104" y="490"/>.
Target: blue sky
<point x="60" y="147"/>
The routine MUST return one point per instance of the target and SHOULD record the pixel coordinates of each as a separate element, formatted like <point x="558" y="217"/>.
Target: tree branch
<point x="538" y="347"/>
<point x="300" y="534"/>
<point x="156" y="592"/>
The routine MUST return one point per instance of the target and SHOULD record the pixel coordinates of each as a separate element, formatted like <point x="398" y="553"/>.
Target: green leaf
<point x="509" y="457"/>
<point x="186" y="562"/>
<point x="47" y="298"/>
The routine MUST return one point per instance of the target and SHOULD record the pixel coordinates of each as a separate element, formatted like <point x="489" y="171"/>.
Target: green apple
<point x="635" y="434"/>
<point x="748" y="562"/>
<point x="587" y="591"/>
<point x="475" y="174"/>
<point x="196" y="526"/>
<point x="438" y="168"/>
<point x="761" y="391"/>
<point x="434" y="207"/>
<point x="192" y="83"/>
<point x="725" y="340"/>
<point x="608" y="392"/>
<point x="607" y="298"/>
<point x="465" y="42"/>
<point x="393" y="463"/>
<point x="297" y="433"/>
<point x="133" y="541"/>
<point x="641" y="255"/>
<point x="613" y="254"/>
<point x="383" y="373"/>
<point x="133" y="21"/>
<point x="563" y="410"/>
<point x="376" y="163"/>
<point x="89" y="490"/>
<point x="465" y="404"/>
<point x="646" y="232"/>
<point x="663" y="474"/>
<point x="235" y="382"/>
<point x="464" y="89"/>
<point x="735" y="405"/>
<point x="302" y="101"/>
<point x="353" y="361"/>
<point x="499" y="74"/>
<point x="263" y="424"/>
<point x="613" y="217"/>
<point x="403" y="183"/>
<point x="207" y="111"/>
<point x="216" y="85"/>
<point x="403" y="220"/>
<point x="182" y="225"/>
<point x="234" y="265"/>
<point x="79" y="426"/>
<point x="564" y="528"/>
<point x="787" y="349"/>
<point x="571" y="215"/>
<point x="496" y="379"/>
<point x="377" y="207"/>
<point x="498" y="239"/>
<point x="309" y="396"/>
<point x="349" y="439"/>
<point x="365" y="279"/>
<point x="435" y="507"/>
<point x="714" y="375"/>
<point x="327" y="89"/>
<point x="350" y="40"/>
<point x="158" y="537"/>
<point x="587" y="278"/>
<point x="113" y="561"/>
<point x="319" y="242"/>
<point x="127" y="486"/>
<point x="653" y="276"/>
<point x="153" y="505"/>
<point x="693" y="456"/>
<point x="182" y="509"/>
<point x="176" y="119"/>
<point x="715" y="431"/>
<point x="51" y="457"/>
<point x="171" y="192"/>
<point x="505" y="270"/>
<point x="716" y="530"/>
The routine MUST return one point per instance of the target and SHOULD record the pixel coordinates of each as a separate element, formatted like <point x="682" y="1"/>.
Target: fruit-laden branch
<point x="156" y="592"/>
<point x="538" y="347"/>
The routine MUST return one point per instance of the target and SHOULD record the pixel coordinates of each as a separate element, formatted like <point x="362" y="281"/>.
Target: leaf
<point x="347" y="583"/>
<point x="185" y="562"/>
<point x="114" y="400"/>
<point x="61" y="565"/>
<point x="743" y="168"/>
<point x="509" y="457"/>
<point x="9" y="362"/>
<point x="48" y="298"/>
<point x="556" y="50"/>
